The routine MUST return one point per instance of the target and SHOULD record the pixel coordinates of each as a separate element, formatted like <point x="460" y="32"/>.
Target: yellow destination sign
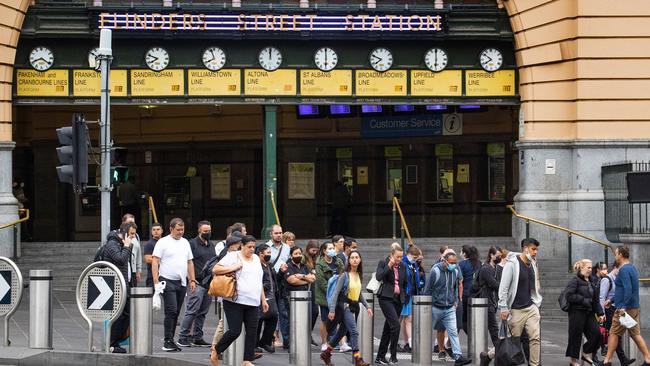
<point x="51" y="83"/>
<point x="147" y="83"/>
<point x="483" y="83"/>
<point x="443" y="83"/>
<point x="87" y="83"/>
<point x="222" y="82"/>
<point x="378" y="84"/>
<point x="321" y="83"/>
<point x="262" y="82"/>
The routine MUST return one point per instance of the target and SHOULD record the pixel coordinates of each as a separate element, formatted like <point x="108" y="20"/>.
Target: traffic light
<point x="74" y="153"/>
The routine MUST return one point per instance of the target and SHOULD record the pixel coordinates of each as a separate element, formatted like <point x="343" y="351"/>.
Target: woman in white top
<point x="244" y="308"/>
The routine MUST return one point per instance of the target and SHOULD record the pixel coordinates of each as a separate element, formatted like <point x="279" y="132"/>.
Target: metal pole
<point x="366" y="327"/>
<point x="15" y="252"/>
<point x="570" y="245"/>
<point x="234" y="355"/>
<point x="401" y="236"/>
<point x="394" y="220"/>
<point x="527" y="229"/>
<point x="269" y="163"/>
<point x="141" y="321"/>
<point x="300" y="328"/>
<point x="478" y="336"/>
<point x="105" y="57"/>
<point x="40" y="308"/>
<point x="422" y="330"/>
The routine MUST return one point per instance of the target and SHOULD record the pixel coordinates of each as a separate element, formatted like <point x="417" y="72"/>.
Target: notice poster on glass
<point x="220" y="181"/>
<point x="301" y="181"/>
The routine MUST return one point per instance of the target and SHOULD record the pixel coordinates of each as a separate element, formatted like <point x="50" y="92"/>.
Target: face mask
<point x="206" y="236"/>
<point x="529" y="257"/>
<point x="451" y="267"/>
<point x="419" y="262"/>
<point x="296" y="260"/>
<point x="267" y="258"/>
<point x="331" y="253"/>
<point x="497" y="259"/>
<point x="411" y="260"/>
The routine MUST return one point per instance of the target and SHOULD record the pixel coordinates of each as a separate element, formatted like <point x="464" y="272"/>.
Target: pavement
<point x="71" y="335"/>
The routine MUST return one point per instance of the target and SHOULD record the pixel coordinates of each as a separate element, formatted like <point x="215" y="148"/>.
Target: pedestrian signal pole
<point x="105" y="56"/>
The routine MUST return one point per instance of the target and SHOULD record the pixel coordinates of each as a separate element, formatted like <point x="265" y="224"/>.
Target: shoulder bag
<point x="224" y="285"/>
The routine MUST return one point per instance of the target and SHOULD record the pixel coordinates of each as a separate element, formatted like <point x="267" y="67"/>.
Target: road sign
<point x="11" y="292"/>
<point x="101" y="296"/>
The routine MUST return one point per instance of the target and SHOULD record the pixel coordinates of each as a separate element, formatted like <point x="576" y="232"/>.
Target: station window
<point x="445" y="172"/>
<point x="393" y="156"/>
<point x="345" y="168"/>
<point x="496" y="171"/>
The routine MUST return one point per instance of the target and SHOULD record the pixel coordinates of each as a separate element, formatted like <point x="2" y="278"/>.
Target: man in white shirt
<point x="172" y="263"/>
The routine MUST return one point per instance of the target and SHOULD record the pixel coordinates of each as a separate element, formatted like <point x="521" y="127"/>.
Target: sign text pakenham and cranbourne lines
<point x="270" y="22"/>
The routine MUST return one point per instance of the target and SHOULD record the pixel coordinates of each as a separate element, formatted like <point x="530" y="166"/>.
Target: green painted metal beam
<point x="269" y="152"/>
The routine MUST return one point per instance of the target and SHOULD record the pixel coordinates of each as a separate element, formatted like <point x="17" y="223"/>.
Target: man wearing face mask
<point x="443" y="285"/>
<point x="198" y="302"/>
<point x="520" y="298"/>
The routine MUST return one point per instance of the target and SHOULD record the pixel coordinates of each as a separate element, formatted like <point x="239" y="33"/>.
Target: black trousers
<point x="173" y="297"/>
<point x="266" y="326"/>
<point x="609" y="315"/>
<point x="121" y="324"/>
<point x="493" y="325"/>
<point x="236" y="315"/>
<point x="582" y="322"/>
<point x="390" y="334"/>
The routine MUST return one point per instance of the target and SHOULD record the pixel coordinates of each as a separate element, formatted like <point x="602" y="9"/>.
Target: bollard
<point x="366" y="327"/>
<point x="478" y="335"/>
<point x="141" y="342"/>
<point x="300" y="328"/>
<point x="421" y="353"/>
<point x="234" y="354"/>
<point x="40" y="308"/>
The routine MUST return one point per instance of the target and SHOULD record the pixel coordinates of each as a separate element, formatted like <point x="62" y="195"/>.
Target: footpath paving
<point x="71" y="332"/>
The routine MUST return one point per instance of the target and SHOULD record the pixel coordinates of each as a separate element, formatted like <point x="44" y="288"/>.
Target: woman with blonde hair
<point x="585" y="313"/>
<point x="289" y="238"/>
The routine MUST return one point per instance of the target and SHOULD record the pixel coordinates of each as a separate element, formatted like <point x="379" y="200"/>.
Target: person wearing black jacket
<point x="269" y="320"/>
<point x="117" y="251"/>
<point x="487" y="286"/>
<point x="391" y="273"/>
<point x="584" y="306"/>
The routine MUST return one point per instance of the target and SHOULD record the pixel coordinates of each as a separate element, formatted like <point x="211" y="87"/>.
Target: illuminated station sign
<point x="429" y="23"/>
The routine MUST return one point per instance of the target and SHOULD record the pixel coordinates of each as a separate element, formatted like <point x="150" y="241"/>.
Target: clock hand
<point x="213" y="56"/>
<point x="376" y="57"/>
<point x="270" y="54"/>
<point x="152" y="56"/>
<point x="44" y="60"/>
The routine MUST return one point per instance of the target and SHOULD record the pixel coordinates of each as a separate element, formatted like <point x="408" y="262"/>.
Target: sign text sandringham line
<point x="271" y="22"/>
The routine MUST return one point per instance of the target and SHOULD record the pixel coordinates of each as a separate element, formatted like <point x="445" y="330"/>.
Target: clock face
<point x="157" y="58"/>
<point x="326" y="59"/>
<point x="214" y="58"/>
<point x="491" y="59"/>
<point x="381" y="59"/>
<point x="41" y="58"/>
<point x="435" y="59"/>
<point x="92" y="58"/>
<point x="270" y="58"/>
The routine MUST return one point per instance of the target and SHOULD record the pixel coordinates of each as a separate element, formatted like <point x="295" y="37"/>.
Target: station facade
<point x="208" y="138"/>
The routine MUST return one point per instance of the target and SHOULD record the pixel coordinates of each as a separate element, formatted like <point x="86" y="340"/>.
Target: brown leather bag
<point x="224" y="285"/>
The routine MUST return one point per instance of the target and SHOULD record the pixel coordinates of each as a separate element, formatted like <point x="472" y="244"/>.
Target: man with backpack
<point x="198" y="302"/>
<point x="443" y="287"/>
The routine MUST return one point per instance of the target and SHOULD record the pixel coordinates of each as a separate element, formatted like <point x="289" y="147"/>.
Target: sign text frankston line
<point x="271" y="22"/>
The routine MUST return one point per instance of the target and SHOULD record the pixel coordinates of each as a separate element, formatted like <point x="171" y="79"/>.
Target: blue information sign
<point x="401" y="126"/>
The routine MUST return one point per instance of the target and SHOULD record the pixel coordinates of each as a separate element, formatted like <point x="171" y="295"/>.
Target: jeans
<point x="527" y="319"/>
<point x="283" y="314"/>
<point x="173" y="297"/>
<point x="390" y="334"/>
<point x="197" y="306"/>
<point x="347" y="325"/>
<point x="236" y="314"/>
<point x="447" y="317"/>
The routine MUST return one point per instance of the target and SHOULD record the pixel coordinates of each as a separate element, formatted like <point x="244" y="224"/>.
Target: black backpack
<point x="99" y="254"/>
<point x="206" y="271"/>
<point x="562" y="300"/>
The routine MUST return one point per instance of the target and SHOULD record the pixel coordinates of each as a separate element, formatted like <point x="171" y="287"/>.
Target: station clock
<point x="326" y="59"/>
<point x="41" y="58"/>
<point x="156" y="58"/>
<point x="491" y="59"/>
<point x="270" y="58"/>
<point x="435" y="59"/>
<point x="381" y="59"/>
<point x="214" y="58"/>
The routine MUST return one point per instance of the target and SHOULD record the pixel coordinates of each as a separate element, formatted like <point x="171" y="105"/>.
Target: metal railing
<point x="404" y="228"/>
<point x="15" y="224"/>
<point x="621" y="216"/>
<point x="275" y="206"/>
<point x="152" y="215"/>
<point x="570" y="234"/>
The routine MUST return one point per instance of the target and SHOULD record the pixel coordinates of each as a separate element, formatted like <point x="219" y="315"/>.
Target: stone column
<point x="8" y="203"/>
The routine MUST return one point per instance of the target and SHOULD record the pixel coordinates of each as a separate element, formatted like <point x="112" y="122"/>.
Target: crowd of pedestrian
<point x="596" y="298"/>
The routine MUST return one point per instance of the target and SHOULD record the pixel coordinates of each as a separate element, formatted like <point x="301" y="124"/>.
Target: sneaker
<point x="400" y="348"/>
<point x="200" y="343"/>
<point x="178" y="348"/>
<point x="628" y="362"/>
<point x="323" y="347"/>
<point x="436" y="349"/>
<point x="170" y="346"/>
<point x="393" y="360"/>
<point x="461" y="360"/>
<point x="407" y="348"/>
<point x="117" y="349"/>
<point x="345" y="348"/>
<point x="450" y="354"/>
<point x="182" y="342"/>
<point x="381" y="361"/>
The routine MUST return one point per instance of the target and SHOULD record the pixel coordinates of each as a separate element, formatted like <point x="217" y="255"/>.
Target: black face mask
<point x="267" y="258"/>
<point x="296" y="260"/>
<point x="206" y="236"/>
<point x="497" y="260"/>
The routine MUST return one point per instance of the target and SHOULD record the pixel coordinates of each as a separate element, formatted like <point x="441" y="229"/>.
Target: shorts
<point x="619" y="330"/>
<point x="407" y="309"/>
<point x="324" y="310"/>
